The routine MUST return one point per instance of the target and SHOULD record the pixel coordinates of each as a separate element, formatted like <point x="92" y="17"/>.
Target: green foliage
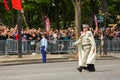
<point x="34" y="10"/>
<point x="116" y="0"/>
<point x="41" y="1"/>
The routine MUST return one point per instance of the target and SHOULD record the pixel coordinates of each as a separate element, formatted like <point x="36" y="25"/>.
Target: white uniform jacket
<point x="92" y="55"/>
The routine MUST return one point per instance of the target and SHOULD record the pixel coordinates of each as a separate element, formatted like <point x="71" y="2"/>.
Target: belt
<point x="42" y="46"/>
<point x="86" y="45"/>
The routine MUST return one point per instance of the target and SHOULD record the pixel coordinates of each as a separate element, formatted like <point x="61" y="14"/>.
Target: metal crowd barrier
<point x="54" y="46"/>
<point x="2" y="46"/>
<point x="60" y="46"/>
<point x="113" y="45"/>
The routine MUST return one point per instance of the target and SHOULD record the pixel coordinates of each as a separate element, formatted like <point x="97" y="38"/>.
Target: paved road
<point x="106" y="70"/>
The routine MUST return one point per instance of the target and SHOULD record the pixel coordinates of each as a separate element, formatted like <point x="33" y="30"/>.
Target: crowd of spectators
<point x="66" y="34"/>
<point x="35" y="34"/>
<point x="110" y="33"/>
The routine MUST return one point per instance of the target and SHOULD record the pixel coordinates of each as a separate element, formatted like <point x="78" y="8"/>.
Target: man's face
<point x="85" y="29"/>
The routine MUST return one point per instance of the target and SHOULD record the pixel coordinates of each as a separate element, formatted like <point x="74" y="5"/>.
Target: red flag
<point x="6" y="5"/>
<point x="47" y="23"/>
<point x="17" y="4"/>
<point x="96" y="22"/>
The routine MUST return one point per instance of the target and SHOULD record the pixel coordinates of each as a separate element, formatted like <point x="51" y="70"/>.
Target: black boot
<point x="91" y="68"/>
<point x="79" y="69"/>
<point x="85" y="68"/>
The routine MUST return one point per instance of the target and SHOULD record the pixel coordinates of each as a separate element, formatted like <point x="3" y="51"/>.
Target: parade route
<point x="105" y="70"/>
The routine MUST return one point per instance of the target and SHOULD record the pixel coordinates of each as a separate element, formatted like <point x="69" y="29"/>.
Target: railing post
<point x="19" y="36"/>
<point x="6" y="48"/>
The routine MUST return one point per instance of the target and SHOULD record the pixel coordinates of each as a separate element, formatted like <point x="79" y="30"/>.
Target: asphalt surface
<point x="105" y="70"/>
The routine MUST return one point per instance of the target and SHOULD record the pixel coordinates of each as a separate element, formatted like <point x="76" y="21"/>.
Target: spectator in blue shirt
<point x="44" y="45"/>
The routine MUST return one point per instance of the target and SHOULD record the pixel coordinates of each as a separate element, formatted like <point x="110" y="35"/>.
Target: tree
<point x="35" y="9"/>
<point x="114" y="10"/>
<point x="77" y="8"/>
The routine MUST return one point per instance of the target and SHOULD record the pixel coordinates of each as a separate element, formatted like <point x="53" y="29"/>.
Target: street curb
<point x="49" y="60"/>
<point x="31" y="61"/>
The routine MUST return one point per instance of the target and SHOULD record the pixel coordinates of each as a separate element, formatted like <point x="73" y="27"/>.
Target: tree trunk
<point x="64" y="14"/>
<point x="25" y="20"/>
<point x="56" y="15"/>
<point x="104" y="10"/>
<point x="28" y="18"/>
<point x="91" y="13"/>
<point x="77" y="7"/>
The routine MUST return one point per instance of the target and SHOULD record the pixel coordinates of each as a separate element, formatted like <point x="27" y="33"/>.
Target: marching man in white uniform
<point x="86" y="50"/>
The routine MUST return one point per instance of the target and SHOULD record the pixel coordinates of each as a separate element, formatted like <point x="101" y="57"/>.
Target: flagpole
<point x="17" y="4"/>
<point x="19" y="35"/>
<point x="104" y="8"/>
